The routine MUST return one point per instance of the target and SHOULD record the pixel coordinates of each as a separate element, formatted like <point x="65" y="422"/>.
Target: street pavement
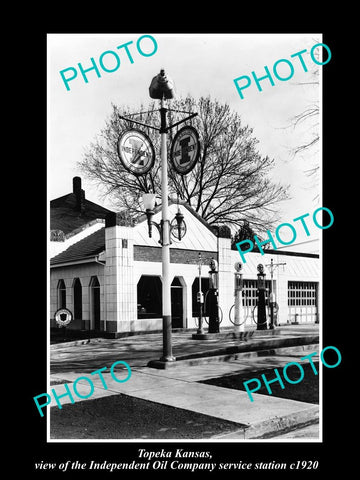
<point x="179" y="386"/>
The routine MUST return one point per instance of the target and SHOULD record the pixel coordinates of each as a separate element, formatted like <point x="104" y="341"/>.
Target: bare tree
<point x="229" y="185"/>
<point x="245" y="233"/>
<point x="308" y="119"/>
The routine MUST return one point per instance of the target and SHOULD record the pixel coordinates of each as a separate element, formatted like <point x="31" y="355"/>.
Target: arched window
<point x="94" y="303"/>
<point x="61" y="294"/>
<point x="177" y="304"/>
<point x="77" y="296"/>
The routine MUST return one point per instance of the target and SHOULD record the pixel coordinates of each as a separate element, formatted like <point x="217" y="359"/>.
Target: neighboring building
<point x="73" y="217"/>
<point x="107" y="270"/>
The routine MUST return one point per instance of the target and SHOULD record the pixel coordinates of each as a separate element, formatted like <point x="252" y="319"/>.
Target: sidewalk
<point x="139" y="350"/>
<point x="179" y="387"/>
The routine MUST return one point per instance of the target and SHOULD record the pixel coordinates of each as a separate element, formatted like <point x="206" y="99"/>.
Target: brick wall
<point x="177" y="255"/>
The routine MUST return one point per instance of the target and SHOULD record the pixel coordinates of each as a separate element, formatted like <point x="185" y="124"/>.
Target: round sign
<point x="63" y="317"/>
<point x="136" y="151"/>
<point x="185" y="150"/>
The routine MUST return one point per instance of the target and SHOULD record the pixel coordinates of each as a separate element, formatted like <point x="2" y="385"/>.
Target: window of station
<point x="95" y="301"/>
<point x="77" y="292"/>
<point x="61" y="294"/>
<point x="149" y="297"/>
<point x="250" y="293"/>
<point x="302" y="294"/>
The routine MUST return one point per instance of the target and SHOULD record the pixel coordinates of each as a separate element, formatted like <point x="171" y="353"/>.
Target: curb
<point x="261" y="347"/>
<point x="274" y="426"/>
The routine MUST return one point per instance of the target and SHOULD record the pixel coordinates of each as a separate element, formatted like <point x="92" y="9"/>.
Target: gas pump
<point x="261" y="306"/>
<point x="238" y="305"/>
<point x="273" y="310"/>
<point x="212" y="297"/>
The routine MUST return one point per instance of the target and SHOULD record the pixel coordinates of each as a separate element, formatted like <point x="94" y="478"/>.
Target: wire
<point x="141" y="113"/>
<point x="300" y="243"/>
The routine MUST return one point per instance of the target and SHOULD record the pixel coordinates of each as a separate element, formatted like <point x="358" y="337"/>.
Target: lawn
<point x="124" y="417"/>
<point x="307" y="390"/>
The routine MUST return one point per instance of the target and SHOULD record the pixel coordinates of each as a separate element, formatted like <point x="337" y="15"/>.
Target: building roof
<point x="84" y="249"/>
<point x="295" y="265"/>
<point x="200" y="236"/>
<point x="92" y="245"/>
<point x="72" y="211"/>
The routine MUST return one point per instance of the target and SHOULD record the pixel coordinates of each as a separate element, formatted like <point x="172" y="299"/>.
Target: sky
<point x="200" y="65"/>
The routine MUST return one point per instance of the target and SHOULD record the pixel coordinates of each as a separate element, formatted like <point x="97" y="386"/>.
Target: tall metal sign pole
<point x="165" y="250"/>
<point x="238" y="320"/>
<point x="200" y="299"/>
<point x="185" y="151"/>
<point x="162" y="88"/>
<point x="272" y="299"/>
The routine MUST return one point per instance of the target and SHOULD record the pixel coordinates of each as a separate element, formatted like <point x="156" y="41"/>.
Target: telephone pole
<point x="272" y="299"/>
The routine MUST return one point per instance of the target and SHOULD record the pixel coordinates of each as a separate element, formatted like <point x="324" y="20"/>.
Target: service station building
<point x="107" y="271"/>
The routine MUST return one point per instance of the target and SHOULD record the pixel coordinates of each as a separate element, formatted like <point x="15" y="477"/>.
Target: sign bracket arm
<point x="181" y="121"/>
<point x="156" y="128"/>
<point x="139" y="123"/>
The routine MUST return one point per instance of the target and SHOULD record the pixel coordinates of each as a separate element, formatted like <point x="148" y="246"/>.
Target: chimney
<point x="79" y="195"/>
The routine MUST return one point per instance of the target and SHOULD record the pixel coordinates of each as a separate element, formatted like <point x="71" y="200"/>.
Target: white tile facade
<point x="120" y="288"/>
<point x="121" y="273"/>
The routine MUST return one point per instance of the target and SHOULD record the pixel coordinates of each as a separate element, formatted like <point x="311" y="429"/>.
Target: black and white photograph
<point x="186" y="270"/>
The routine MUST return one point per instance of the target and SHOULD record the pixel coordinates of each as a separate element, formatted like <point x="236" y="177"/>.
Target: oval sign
<point x="136" y="151"/>
<point x="63" y="317"/>
<point x="185" y="150"/>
